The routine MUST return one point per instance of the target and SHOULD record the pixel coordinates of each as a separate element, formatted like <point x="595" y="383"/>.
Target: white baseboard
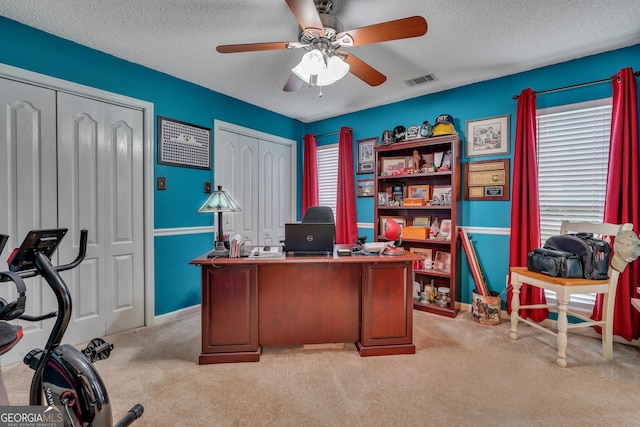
<point x="176" y="315"/>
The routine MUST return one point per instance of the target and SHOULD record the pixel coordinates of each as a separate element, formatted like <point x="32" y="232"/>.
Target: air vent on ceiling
<point x="420" y="80"/>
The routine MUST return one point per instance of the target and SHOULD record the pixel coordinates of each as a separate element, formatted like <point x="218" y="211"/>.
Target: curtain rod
<point x="331" y="133"/>
<point x="637" y="73"/>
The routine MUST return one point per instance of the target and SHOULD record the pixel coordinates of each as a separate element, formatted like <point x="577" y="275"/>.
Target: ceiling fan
<point x="322" y="35"/>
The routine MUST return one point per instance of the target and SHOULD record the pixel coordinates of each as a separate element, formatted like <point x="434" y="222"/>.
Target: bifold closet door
<point x="73" y="162"/>
<point x="275" y="190"/>
<point x="236" y="169"/>
<point x="257" y="173"/>
<point x="100" y="188"/>
<point x="28" y="193"/>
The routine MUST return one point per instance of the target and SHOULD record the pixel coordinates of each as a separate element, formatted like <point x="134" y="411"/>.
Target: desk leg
<point x="515" y="305"/>
<point x="561" y="359"/>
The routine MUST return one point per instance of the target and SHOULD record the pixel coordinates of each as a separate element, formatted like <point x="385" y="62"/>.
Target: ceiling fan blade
<point x="251" y="47"/>
<point x="363" y="71"/>
<point x="306" y="13"/>
<point x="414" y="26"/>
<point x="293" y="84"/>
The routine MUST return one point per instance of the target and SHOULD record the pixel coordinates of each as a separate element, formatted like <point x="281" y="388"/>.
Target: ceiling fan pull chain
<point x="320" y="94"/>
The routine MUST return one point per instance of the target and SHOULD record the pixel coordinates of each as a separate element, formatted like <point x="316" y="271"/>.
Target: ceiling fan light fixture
<point x="336" y="69"/>
<point x="312" y="63"/>
<point x="314" y="71"/>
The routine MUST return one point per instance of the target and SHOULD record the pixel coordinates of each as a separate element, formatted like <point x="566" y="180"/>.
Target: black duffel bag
<point x="553" y="262"/>
<point x="594" y="253"/>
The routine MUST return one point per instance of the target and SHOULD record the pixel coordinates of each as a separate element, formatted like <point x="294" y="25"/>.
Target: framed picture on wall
<point x="364" y="187"/>
<point x="183" y="144"/>
<point x="488" y="137"/>
<point x="366" y="158"/>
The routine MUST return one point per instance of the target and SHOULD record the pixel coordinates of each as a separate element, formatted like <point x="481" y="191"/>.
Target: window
<point x="573" y="154"/>
<point x="327" y="163"/>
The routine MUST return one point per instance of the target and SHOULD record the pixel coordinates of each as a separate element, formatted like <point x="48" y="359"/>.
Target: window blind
<point x="327" y="163"/>
<point x="573" y="155"/>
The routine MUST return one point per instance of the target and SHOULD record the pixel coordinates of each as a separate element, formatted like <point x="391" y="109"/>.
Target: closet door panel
<point x="237" y="171"/>
<point x="27" y="191"/>
<point x="275" y="190"/>
<point x="258" y="174"/>
<point x="100" y="187"/>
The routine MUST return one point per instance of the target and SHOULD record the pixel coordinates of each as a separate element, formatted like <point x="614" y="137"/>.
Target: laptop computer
<point x="303" y="238"/>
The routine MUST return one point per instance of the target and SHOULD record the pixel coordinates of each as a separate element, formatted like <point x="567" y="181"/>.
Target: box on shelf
<point x="411" y="232"/>
<point x="414" y="201"/>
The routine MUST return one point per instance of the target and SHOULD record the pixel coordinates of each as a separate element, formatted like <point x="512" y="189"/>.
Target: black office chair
<point x="318" y="214"/>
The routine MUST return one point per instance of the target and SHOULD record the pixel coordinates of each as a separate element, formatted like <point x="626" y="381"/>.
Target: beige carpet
<point x="463" y="374"/>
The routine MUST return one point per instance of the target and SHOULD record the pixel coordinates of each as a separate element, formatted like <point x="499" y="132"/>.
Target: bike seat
<point x="9" y="336"/>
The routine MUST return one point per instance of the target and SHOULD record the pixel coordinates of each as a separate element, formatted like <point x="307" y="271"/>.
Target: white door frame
<point x="37" y="79"/>
<point x="219" y="125"/>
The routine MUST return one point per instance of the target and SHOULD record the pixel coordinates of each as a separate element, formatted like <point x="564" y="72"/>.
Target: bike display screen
<point x="44" y="241"/>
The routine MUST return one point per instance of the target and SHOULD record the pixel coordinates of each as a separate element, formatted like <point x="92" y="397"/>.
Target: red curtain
<point x="309" y="174"/>
<point x="525" y="209"/>
<point x="346" y="220"/>
<point x="622" y="201"/>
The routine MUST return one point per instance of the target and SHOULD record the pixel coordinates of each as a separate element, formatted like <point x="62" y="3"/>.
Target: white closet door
<point x="237" y="172"/>
<point x="275" y="190"/>
<point x="100" y="172"/>
<point x="27" y="192"/>
<point x="258" y="174"/>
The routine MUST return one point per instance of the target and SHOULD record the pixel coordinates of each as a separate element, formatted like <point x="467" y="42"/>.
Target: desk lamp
<point x="219" y="201"/>
<point x="393" y="233"/>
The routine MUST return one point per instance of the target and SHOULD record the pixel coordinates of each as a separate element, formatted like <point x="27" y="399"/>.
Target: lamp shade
<point x="315" y="71"/>
<point x="219" y="201"/>
<point x="393" y="231"/>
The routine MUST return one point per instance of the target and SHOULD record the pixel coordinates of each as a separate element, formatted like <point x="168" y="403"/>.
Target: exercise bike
<point x="64" y="376"/>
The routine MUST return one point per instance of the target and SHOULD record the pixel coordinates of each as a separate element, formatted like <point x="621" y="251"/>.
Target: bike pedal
<point x="98" y="349"/>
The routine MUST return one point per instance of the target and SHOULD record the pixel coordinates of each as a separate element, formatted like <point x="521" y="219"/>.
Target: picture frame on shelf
<point x="442" y="261"/>
<point x="397" y="195"/>
<point x="445" y="164"/>
<point x="418" y="192"/>
<point x="445" y="228"/>
<point x="392" y="165"/>
<point x="437" y="159"/>
<point x="383" y="222"/>
<point x="427" y="254"/>
<point x="364" y="187"/>
<point x="488" y="137"/>
<point x="441" y="195"/>
<point x="383" y="199"/>
<point x="422" y="221"/>
<point x="366" y="158"/>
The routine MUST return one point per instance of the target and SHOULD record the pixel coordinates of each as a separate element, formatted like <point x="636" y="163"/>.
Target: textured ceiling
<point x="467" y="41"/>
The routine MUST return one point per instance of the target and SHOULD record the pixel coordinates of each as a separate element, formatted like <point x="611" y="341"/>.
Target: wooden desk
<point x="248" y="303"/>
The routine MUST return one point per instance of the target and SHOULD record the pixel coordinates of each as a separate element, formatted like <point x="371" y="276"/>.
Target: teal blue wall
<point x="476" y="101"/>
<point x="177" y="284"/>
